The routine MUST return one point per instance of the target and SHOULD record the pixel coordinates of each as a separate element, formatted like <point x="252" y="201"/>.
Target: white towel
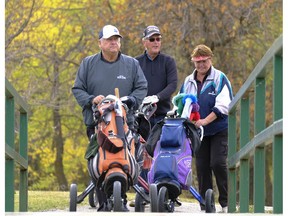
<point x="187" y="108"/>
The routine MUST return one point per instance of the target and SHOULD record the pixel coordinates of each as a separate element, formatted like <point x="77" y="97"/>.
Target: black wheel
<point x="93" y="199"/>
<point x="117" y="201"/>
<point x="153" y="195"/>
<point x="209" y="201"/>
<point x="73" y="198"/>
<point x="139" y="202"/>
<point x="163" y="199"/>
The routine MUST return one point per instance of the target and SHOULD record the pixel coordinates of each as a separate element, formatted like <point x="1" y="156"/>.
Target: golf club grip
<point x="117" y="92"/>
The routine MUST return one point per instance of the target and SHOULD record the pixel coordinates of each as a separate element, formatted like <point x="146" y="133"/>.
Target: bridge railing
<point x="15" y="106"/>
<point x="243" y="145"/>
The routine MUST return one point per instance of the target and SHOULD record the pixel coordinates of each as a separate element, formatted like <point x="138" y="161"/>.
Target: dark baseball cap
<point x="151" y="30"/>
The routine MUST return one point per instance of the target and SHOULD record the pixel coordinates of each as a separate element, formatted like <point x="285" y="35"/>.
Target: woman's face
<point x="203" y="66"/>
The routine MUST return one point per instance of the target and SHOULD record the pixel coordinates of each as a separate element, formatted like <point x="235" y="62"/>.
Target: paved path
<point x="184" y="208"/>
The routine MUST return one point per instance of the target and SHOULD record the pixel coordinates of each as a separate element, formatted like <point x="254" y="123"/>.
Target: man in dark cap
<point x="161" y="73"/>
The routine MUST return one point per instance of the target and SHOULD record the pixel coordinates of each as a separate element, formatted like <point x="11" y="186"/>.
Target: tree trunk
<point x="58" y="141"/>
<point x="59" y="145"/>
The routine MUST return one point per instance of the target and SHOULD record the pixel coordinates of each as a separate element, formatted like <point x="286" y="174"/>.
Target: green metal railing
<point x="12" y="152"/>
<point x="240" y="153"/>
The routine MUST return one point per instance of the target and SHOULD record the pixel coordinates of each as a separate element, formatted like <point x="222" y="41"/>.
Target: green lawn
<point x="45" y="200"/>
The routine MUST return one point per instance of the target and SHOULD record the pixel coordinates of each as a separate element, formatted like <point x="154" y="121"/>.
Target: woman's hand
<point x="201" y="122"/>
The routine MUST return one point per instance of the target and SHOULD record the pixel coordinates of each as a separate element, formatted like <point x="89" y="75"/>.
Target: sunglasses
<point x="153" y="39"/>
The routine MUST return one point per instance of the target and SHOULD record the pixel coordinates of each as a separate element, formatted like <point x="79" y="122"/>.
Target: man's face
<point x="153" y="44"/>
<point x="110" y="45"/>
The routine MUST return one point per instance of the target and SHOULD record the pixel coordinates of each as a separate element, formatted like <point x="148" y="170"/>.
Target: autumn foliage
<point x="45" y="42"/>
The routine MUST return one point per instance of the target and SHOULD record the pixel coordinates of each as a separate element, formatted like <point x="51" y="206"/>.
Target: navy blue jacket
<point x="216" y="95"/>
<point x="161" y="75"/>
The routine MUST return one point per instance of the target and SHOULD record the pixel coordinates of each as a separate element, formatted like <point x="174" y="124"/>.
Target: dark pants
<point x="144" y="175"/>
<point x="212" y="156"/>
<point x="90" y="132"/>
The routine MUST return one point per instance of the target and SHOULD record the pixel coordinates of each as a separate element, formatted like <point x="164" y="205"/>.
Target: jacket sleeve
<point x="223" y="98"/>
<point x="172" y="79"/>
<point x="79" y="89"/>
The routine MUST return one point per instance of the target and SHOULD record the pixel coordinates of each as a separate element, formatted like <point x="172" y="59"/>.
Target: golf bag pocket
<point x="105" y="160"/>
<point x="110" y="143"/>
<point x="164" y="168"/>
<point x="172" y="135"/>
<point x="185" y="171"/>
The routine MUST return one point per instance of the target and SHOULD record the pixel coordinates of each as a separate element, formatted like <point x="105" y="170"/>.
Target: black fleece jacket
<point x="161" y="75"/>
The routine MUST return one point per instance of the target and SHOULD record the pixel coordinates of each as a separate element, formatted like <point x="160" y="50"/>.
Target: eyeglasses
<point x="153" y="39"/>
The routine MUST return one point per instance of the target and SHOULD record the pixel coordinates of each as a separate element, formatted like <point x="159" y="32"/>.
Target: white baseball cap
<point x="109" y="31"/>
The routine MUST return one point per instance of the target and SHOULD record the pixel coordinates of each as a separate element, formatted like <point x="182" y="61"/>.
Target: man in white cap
<point x="99" y="75"/>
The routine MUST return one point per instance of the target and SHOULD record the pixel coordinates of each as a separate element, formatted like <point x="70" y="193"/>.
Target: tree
<point x="45" y="42"/>
<point x="49" y="62"/>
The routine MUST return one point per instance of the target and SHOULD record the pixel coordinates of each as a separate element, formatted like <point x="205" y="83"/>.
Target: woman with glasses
<point x="214" y="93"/>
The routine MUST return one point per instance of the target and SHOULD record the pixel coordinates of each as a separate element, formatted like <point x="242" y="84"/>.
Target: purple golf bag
<point x="172" y="155"/>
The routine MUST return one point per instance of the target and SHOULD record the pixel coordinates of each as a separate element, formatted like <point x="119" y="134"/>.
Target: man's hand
<point x="98" y="99"/>
<point x="129" y="101"/>
<point x="150" y="99"/>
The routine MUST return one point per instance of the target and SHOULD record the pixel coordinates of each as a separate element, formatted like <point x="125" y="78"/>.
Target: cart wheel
<point x="153" y="195"/>
<point x="117" y="201"/>
<point x="139" y="202"/>
<point x="73" y="198"/>
<point x="209" y="201"/>
<point x="93" y="199"/>
<point x="163" y="197"/>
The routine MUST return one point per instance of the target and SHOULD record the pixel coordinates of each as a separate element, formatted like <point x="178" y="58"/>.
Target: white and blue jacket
<point x="216" y="95"/>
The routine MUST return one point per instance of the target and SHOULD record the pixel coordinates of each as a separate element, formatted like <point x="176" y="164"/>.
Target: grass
<point x="40" y="201"/>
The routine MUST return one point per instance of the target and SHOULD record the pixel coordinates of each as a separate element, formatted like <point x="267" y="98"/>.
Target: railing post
<point x="244" y="162"/>
<point x="259" y="157"/>
<point x="23" y="187"/>
<point x="232" y="175"/>
<point x="9" y="163"/>
<point x="278" y="139"/>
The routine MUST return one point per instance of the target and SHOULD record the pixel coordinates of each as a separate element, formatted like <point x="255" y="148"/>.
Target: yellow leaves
<point x="50" y="47"/>
<point x="74" y="162"/>
<point x="117" y="2"/>
<point x="46" y="155"/>
<point x="169" y="6"/>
